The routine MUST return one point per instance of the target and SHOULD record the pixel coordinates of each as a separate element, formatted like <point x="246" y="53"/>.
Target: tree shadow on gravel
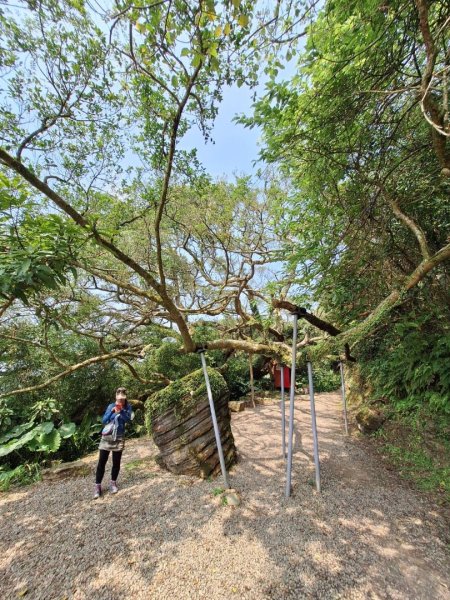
<point x="166" y="536"/>
<point x="365" y="536"/>
<point x="56" y="542"/>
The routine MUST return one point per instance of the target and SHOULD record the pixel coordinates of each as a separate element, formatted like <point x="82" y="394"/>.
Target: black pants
<point x="103" y="459"/>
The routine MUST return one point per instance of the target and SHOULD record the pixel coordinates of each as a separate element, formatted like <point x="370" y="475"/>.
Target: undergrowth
<point x="418" y="457"/>
<point x="404" y="371"/>
<point x="21" y="475"/>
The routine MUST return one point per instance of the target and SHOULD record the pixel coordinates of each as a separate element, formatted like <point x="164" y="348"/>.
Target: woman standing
<point x="116" y="415"/>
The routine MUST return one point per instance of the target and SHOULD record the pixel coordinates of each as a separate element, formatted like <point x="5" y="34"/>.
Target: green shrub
<point x="171" y="362"/>
<point x="22" y="475"/>
<point x="38" y="434"/>
<point x="237" y="375"/>
<point x="326" y="379"/>
<point x="410" y="368"/>
<point x="84" y="440"/>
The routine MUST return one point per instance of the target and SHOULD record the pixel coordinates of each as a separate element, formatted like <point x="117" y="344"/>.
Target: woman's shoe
<point x="98" y="491"/>
<point x="113" y="487"/>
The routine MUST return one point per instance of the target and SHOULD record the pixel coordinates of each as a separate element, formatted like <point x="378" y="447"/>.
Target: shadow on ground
<point x="365" y="536"/>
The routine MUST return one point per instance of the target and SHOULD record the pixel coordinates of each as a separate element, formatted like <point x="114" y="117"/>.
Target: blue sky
<point x="235" y="147"/>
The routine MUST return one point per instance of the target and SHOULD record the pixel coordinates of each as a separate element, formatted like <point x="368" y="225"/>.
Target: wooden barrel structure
<point x="180" y="421"/>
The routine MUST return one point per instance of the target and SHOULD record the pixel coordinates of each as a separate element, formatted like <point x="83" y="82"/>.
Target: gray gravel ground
<point x="367" y="536"/>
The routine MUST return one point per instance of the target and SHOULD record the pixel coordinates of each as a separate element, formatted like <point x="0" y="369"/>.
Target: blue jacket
<point x="124" y="417"/>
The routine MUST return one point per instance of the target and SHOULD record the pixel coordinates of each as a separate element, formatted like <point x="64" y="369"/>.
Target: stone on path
<point x="77" y="468"/>
<point x="236" y="406"/>
<point x="232" y="497"/>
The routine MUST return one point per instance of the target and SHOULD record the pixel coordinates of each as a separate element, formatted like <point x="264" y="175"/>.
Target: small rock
<point x="263" y="401"/>
<point x="66" y="470"/>
<point x="369" y="420"/>
<point x="231" y="497"/>
<point x="236" y="406"/>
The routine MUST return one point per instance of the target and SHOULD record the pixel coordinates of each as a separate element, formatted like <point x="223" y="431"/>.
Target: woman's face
<point x="120" y="400"/>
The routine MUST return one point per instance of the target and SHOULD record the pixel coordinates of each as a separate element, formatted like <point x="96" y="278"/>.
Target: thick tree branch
<point x="275" y="349"/>
<point x="39" y="185"/>
<point x="361" y="330"/>
<point x="409" y="222"/>
<point x="304" y="314"/>
<point x="427" y="101"/>
<point x="86" y="363"/>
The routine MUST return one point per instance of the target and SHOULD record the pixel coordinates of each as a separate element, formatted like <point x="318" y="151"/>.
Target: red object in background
<point x="287" y="377"/>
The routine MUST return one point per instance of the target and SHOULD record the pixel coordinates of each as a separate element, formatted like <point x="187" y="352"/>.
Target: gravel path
<point x="165" y="537"/>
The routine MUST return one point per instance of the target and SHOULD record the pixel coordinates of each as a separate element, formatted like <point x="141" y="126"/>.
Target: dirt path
<point x="165" y="537"/>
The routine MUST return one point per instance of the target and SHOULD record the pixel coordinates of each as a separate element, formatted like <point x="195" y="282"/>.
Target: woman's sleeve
<point x="126" y="413"/>
<point x="108" y="413"/>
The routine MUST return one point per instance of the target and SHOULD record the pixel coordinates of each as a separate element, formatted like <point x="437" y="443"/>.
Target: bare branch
<point x="175" y="314"/>
<point x="304" y="314"/>
<point x="409" y="222"/>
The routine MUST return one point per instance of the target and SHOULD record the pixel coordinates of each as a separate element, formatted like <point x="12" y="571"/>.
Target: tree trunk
<point x="180" y="420"/>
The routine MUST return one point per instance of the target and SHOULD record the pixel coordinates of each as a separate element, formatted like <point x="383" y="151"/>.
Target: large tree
<point x="95" y="108"/>
<point x="100" y="201"/>
<point x="361" y="134"/>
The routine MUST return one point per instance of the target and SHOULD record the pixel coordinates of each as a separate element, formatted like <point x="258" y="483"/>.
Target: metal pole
<point x="291" y="410"/>
<point x="314" y="426"/>
<point x="344" y="400"/>
<point x="283" y="415"/>
<point x="214" y="420"/>
<point x="252" y="385"/>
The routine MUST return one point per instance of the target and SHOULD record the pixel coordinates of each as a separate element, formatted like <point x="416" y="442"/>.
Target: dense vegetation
<point x="361" y="132"/>
<point x="114" y="238"/>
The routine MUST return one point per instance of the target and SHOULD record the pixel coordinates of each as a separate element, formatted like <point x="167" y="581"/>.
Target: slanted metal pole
<point x="283" y="415"/>
<point x="214" y="420"/>
<point x="314" y="426"/>
<point x="291" y="411"/>
<point x="344" y="399"/>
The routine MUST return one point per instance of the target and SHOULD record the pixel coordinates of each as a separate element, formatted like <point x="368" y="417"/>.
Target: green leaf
<point x="67" y="430"/>
<point x="212" y="50"/>
<point x="243" y="20"/>
<point x="24" y="267"/>
<point x="196" y="61"/>
<point x="49" y="442"/>
<point x="46" y="427"/>
<point x="16" y="444"/>
<point x="16" y="432"/>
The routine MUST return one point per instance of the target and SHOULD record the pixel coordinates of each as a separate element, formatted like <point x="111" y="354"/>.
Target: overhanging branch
<point x="86" y="363"/>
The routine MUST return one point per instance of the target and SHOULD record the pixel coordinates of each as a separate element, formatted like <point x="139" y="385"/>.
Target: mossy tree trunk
<point x="179" y="418"/>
